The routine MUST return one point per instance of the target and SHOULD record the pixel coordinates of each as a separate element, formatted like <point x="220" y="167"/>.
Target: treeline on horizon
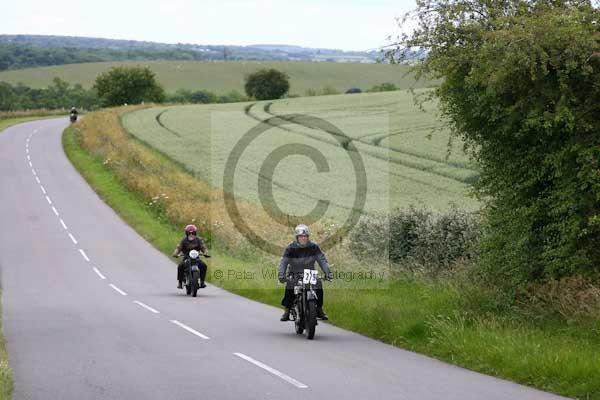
<point x="19" y="56"/>
<point x="61" y="95"/>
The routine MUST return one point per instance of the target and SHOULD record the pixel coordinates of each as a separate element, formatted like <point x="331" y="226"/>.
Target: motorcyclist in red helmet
<point x="191" y="241"/>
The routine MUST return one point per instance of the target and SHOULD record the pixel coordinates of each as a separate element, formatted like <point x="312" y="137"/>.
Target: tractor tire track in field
<point x="284" y="127"/>
<point x="377" y="142"/>
<point x="158" y="116"/>
<point x="413" y="165"/>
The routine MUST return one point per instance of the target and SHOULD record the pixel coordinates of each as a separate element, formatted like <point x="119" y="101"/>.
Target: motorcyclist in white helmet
<point x="302" y="254"/>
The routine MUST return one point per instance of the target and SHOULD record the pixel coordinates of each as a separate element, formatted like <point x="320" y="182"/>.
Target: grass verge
<point x="6" y="382"/>
<point x="453" y="321"/>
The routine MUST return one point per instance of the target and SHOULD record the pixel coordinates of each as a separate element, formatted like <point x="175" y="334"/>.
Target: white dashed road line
<point x="279" y="374"/>
<point x="84" y="255"/>
<point x="97" y="271"/>
<point x="122" y="293"/>
<point x="55" y="211"/>
<point x="187" y="328"/>
<point x="139" y="303"/>
<point x="43" y="189"/>
<point x="48" y="200"/>
<point x="63" y="224"/>
<point x="73" y="238"/>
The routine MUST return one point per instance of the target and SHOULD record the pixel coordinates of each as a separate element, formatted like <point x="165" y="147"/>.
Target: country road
<point x="90" y="311"/>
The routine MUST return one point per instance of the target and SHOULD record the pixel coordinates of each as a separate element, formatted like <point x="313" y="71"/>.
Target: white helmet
<point x="194" y="254"/>
<point x="301" y="230"/>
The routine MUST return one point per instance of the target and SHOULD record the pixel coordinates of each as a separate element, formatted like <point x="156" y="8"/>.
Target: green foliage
<point x="324" y="91"/>
<point x="521" y="86"/>
<point x="329" y="90"/>
<point x="267" y="84"/>
<point x="128" y="85"/>
<point x="417" y="237"/>
<point x="194" y="97"/>
<point x="233" y="96"/>
<point x="384" y="87"/>
<point x="59" y="95"/>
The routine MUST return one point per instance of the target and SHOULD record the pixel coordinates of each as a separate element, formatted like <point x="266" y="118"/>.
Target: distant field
<point x="221" y="77"/>
<point x="403" y="167"/>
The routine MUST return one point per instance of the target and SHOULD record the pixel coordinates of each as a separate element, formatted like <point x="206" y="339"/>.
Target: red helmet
<point x="191" y="229"/>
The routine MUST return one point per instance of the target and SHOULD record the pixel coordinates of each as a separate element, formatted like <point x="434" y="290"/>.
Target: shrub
<point x="267" y="84"/>
<point x="418" y="237"/>
<point x="128" y="85"/>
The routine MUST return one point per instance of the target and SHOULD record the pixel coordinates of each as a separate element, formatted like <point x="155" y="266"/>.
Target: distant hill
<point x="23" y="51"/>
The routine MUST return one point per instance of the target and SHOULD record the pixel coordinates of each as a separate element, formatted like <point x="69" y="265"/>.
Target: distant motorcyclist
<point x="299" y="255"/>
<point x="191" y="241"/>
<point x="73" y="114"/>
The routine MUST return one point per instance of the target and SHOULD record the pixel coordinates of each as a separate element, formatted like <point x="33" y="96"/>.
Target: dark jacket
<point x="185" y="246"/>
<point x="297" y="258"/>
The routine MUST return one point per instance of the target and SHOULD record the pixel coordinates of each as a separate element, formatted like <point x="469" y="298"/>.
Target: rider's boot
<point x="180" y="285"/>
<point x="286" y="315"/>
<point x="321" y="314"/>
<point x="202" y="285"/>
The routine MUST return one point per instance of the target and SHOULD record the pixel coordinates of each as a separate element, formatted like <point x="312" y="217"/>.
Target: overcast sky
<point x="348" y="25"/>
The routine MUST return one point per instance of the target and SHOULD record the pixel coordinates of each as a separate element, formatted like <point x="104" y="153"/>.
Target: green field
<point x="403" y="166"/>
<point x="222" y="77"/>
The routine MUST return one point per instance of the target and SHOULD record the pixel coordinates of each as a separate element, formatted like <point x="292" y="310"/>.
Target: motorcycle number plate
<point x="310" y="276"/>
<point x="195" y="268"/>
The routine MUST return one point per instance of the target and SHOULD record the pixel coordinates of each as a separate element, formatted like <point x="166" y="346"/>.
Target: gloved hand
<point x="282" y="279"/>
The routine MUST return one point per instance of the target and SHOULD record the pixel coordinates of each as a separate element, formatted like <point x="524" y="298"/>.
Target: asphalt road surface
<point x="91" y="311"/>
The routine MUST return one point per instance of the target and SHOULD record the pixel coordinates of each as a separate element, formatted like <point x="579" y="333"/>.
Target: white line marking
<point x="187" y="328"/>
<point x="97" y="271"/>
<point x="63" y="224"/>
<point x="27" y="149"/>
<point x="34" y="131"/>
<point x="30" y="164"/>
<point x="118" y="290"/>
<point x="34" y="173"/>
<point x="37" y="180"/>
<point x="55" y="211"/>
<point x="28" y="157"/>
<point x="84" y="255"/>
<point x="73" y="239"/>
<point x="273" y="371"/>
<point x="49" y="201"/>
<point x="139" y="303"/>
<point x="43" y="190"/>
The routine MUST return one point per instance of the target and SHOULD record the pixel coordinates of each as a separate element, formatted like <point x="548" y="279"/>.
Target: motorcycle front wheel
<point x="311" y="319"/>
<point x="299" y="321"/>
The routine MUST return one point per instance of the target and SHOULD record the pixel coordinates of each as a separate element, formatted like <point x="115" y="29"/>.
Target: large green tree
<point x="521" y="85"/>
<point x="128" y="85"/>
<point x="267" y="84"/>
